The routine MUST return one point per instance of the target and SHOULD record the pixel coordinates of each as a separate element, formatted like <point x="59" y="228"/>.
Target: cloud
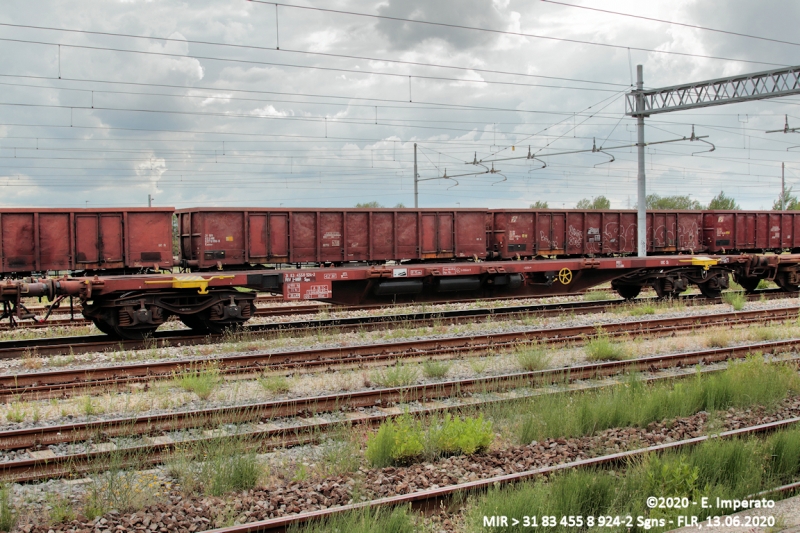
<point x="475" y="13"/>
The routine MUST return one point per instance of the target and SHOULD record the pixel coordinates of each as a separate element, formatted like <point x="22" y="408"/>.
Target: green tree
<point x="369" y="205"/>
<point x="723" y="202"/>
<point x="539" y="204"/>
<point x="655" y="201"/>
<point x="790" y="201"/>
<point x="600" y="202"/>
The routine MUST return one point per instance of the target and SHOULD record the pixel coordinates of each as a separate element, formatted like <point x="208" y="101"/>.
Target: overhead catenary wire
<point x="673" y="23"/>
<point x="308" y="52"/>
<point x="517" y="34"/>
<point x="310" y="67"/>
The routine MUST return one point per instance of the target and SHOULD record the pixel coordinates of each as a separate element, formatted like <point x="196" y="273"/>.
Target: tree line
<point x="721" y="202"/>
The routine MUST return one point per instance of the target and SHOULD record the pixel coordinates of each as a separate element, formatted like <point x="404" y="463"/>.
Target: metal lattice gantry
<point x="741" y="88"/>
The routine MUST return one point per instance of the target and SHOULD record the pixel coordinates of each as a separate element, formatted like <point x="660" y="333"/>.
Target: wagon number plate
<point x="307" y="290"/>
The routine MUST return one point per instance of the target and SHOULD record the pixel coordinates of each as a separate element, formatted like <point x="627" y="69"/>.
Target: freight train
<point x="120" y="262"/>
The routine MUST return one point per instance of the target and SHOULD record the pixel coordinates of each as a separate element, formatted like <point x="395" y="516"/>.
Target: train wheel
<point x="104" y="326"/>
<point x="629" y="292"/>
<point x="710" y="292"/>
<point x="788" y="287"/>
<point x="748" y="284"/>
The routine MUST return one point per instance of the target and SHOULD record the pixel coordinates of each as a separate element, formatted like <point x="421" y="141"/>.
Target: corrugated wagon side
<point x="751" y="231"/>
<point x="218" y="238"/>
<point x="528" y="233"/>
<point x="42" y="240"/>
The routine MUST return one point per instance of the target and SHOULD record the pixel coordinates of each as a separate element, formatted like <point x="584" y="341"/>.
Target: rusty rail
<point x="61" y="383"/>
<point x="61" y="465"/>
<point x="98" y="343"/>
<point x="433" y="497"/>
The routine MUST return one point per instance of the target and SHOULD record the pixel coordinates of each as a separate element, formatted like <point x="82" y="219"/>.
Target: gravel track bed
<point x="166" y="397"/>
<point x="180" y="512"/>
<point x="284" y="341"/>
<point x="330" y="417"/>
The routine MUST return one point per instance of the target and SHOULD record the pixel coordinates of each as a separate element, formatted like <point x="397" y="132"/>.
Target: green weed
<point x="200" y="379"/>
<point x="641" y="309"/>
<point x="406" y="439"/>
<point x="602" y="349"/>
<point x="735" y="300"/>
<point x="596" y="296"/>
<point x="744" y="383"/>
<point x="367" y="520"/>
<point x="533" y="357"/>
<point x="16" y="413"/>
<point x="435" y="369"/>
<point x="216" y="466"/>
<point x="275" y="384"/>
<point x="8" y="513"/>
<point x="61" y="510"/>
<point x="398" y="375"/>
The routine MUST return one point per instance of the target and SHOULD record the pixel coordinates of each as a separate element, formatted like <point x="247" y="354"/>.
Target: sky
<point x="244" y="103"/>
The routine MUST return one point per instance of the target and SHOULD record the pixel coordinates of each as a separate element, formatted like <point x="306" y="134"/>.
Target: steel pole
<point x="783" y="190"/>
<point x="416" y="182"/>
<point x="641" y="208"/>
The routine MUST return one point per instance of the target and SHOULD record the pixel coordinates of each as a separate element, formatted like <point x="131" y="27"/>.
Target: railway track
<point x="260" y="417"/>
<point x="99" y="343"/>
<point x="66" y="382"/>
<point x="435" y="498"/>
<point x="59" y="319"/>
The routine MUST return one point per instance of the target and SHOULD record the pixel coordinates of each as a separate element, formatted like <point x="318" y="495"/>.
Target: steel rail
<point x="61" y="383"/>
<point x="429" y="498"/>
<point x="98" y="343"/>
<point x="268" y="435"/>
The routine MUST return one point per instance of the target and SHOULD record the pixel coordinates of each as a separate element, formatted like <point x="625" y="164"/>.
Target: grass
<point x="743" y="383"/>
<point x="728" y="469"/>
<point x="717" y="339"/>
<point x="8" y="513"/>
<point x="16" y="413"/>
<point x="398" y="375"/>
<point x="435" y="369"/>
<point x="596" y="296"/>
<point x="405" y="439"/>
<point x="341" y="454"/>
<point x="602" y="349"/>
<point x="61" y="510"/>
<point x="641" y="309"/>
<point x="367" y="520"/>
<point x="275" y="384"/>
<point x="735" y="299"/>
<point x="215" y="467"/>
<point x="764" y="333"/>
<point x="533" y="357"/>
<point x="200" y="379"/>
<point x="119" y="489"/>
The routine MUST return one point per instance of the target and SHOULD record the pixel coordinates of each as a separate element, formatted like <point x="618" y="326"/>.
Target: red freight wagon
<point x="746" y="231"/>
<point x="41" y="240"/>
<point x="216" y="237"/>
<point x="595" y="232"/>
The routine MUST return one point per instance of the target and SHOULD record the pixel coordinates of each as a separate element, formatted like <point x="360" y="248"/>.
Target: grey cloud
<point x="408" y="35"/>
